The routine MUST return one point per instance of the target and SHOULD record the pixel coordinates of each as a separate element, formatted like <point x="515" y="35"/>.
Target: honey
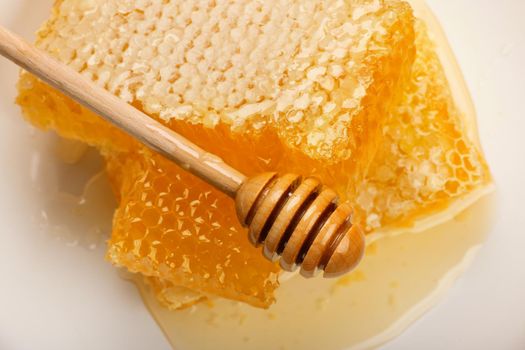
<point x="399" y="280"/>
<point x="401" y="277"/>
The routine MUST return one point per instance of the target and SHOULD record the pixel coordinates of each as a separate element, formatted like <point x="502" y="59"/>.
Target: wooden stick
<point x="150" y="132"/>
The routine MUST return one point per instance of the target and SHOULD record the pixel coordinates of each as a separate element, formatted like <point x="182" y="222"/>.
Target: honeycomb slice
<point x="304" y="70"/>
<point x="427" y="160"/>
<point x="173" y="226"/>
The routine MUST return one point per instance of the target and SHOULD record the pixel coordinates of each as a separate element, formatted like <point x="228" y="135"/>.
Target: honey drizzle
<point x="400" y="279"/>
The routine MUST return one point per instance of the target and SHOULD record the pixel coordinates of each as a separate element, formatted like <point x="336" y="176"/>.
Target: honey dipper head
<point x="301" y="223"/>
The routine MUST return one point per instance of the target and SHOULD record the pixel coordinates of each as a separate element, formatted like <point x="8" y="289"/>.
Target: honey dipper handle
<point x="150" y="132"/>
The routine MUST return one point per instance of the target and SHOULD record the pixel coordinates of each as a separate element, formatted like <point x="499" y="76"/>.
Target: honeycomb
<point x="304" y="70"/>
<point x="173" y="226"/>
<point x="329" y="88"/>
<point x="427" y="159"/>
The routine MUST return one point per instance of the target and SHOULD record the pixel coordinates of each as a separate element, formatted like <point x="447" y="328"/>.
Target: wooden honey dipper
<point x="294" y="219"/>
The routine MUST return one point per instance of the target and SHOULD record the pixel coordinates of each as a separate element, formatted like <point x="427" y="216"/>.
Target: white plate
<point x="58" y="295"/>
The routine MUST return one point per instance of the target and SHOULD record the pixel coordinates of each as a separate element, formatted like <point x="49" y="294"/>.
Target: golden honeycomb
<point x="173" y="226"/>
<point x="329" y="88"/>
<point x="427" y="158"/>
<point x="303" y="71"/>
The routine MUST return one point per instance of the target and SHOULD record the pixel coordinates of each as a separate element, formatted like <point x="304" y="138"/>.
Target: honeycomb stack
<point x="350" y="91"/>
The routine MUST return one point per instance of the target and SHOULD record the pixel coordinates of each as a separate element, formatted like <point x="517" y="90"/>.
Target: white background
<point x="58" y="297"/>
